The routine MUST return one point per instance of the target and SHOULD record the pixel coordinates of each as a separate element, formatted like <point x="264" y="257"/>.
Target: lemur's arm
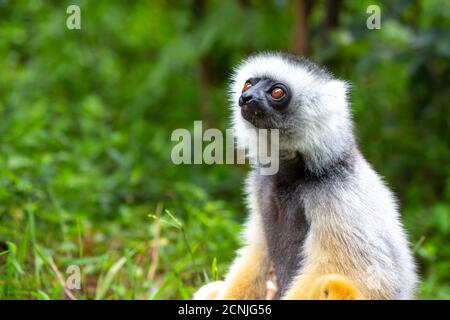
<point x="247" y="277"/>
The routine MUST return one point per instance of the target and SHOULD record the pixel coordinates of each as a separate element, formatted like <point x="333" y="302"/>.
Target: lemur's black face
<point x="263" y="101"/>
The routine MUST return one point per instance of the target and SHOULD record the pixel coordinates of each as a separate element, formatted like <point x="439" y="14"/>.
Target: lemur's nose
<point x="246" y="98"/>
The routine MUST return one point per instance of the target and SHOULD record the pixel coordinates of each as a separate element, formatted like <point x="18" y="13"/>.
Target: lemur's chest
<point x="285" y="227"/>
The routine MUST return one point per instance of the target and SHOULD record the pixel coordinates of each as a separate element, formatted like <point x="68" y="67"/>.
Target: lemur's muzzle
<point x="250" y="100"/>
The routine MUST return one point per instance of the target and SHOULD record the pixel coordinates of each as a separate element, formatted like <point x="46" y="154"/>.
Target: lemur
<point x="326" y="220"/>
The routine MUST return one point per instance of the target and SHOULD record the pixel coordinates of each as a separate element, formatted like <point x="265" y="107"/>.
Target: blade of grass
<point x="155" y="247"/>
<point x="80" y="237"/>
<point x="47" y="258"/>
<point x="185" y="239"/>
<point x="170" y="277"/>
<point x="13" y="269"/>
<point x="24" y="245"/>
<point x="56" y="205"/>
<point x="163" y="286"/>
<point x="37" y="260"/>
<point x="181" y="288"/>
<point x="131" y="272"/>
<point x="105" y="284"/>
<point x="214" y="269"/>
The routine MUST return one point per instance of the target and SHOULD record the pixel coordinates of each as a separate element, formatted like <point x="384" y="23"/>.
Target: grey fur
<point x="281" y="200"/>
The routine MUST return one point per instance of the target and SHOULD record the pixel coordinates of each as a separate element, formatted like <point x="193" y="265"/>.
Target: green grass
<point x="158" y="257"/>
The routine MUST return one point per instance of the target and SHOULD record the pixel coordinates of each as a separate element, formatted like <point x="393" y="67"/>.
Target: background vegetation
<point x="86" y="117"/>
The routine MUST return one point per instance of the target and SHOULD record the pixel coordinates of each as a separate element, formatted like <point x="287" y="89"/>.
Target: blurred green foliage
<point x="86" y="117"/>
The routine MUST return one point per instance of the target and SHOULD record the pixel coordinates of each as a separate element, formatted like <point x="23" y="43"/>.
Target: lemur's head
<point x="305" y="102"/>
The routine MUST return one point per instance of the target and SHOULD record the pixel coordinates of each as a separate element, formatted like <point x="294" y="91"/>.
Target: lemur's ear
<point x="334" y="94"/>
<point x="336" y="87"/>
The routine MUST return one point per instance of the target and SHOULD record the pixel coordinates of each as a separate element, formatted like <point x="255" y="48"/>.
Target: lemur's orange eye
<point x="247" y="86"/>
<point x="277" y="93"/>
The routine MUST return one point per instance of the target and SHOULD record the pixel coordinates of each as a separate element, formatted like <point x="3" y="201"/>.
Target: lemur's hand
<point x="334" y="287"/>
<point x="209" y="291"/>
<point x="323" y="287"/>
